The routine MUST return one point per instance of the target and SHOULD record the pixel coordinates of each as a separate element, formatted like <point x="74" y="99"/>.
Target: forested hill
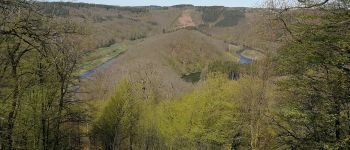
<point x="109" y="24"/>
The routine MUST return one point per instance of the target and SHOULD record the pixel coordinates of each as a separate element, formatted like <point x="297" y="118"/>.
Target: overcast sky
<point x="230" y="3"/>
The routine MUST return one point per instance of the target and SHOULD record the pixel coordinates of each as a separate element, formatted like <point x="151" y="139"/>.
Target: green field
<point x="97" y="57"/>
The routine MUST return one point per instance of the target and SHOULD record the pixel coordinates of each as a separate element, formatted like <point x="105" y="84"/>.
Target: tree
<point x="314" y="107"/>
<point x="119" y="118"/>
<point x="203" y="119"/>
<point x="38" y="60"/>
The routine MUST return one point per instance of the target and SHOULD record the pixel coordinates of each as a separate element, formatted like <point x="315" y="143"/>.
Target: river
<point x="91" y="72"/>
<point x="242" y="60"/>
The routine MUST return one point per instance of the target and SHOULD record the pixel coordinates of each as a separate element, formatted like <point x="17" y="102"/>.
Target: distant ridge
<point x="107" y="6"/>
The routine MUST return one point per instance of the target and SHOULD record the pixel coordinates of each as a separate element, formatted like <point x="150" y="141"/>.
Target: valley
<point x="180" y="49"/>
<point x="77" y="75"/>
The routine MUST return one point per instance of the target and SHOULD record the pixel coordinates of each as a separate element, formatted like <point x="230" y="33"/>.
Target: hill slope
<point x="160" y="61"/>
<point x="109" y="24"/>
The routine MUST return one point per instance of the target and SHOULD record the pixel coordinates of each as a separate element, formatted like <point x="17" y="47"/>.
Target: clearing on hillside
<point x="185" y="20"/>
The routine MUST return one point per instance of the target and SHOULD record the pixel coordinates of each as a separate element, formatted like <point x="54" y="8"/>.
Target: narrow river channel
<point x="242" y="60"/>
<point x="91" y="72"/>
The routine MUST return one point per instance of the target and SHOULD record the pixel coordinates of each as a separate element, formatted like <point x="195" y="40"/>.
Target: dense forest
<point x="296" y="96"/>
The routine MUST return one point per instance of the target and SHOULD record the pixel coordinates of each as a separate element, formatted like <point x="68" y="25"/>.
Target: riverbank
<point x="252" y="54"/>
<point x="246" y="54"/>
<point x="100" y="58"/>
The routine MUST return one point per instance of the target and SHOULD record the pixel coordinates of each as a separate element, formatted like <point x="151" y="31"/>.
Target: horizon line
<point x="256" y="5"/>
<point x="147" y="5"/>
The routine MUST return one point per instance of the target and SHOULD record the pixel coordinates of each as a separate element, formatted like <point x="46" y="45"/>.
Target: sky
<point x="228" y="3"/>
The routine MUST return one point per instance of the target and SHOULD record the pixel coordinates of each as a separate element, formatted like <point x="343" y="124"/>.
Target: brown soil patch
<point x="185" y="20"/>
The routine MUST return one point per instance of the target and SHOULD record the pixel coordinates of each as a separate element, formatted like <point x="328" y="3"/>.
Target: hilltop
<point x="163" y="60"/>
<point x="106" y="24"/>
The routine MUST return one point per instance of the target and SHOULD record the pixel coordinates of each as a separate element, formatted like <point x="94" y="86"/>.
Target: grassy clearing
<point x="252" y="54"/>
<point x="234" y="48"/>
<point x="97" y="57"/>
<point x="231" y="56"/>
<point x="232" y="52"/>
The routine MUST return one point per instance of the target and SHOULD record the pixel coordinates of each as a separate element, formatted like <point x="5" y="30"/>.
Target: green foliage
<point x="136" y="36"/>
<point x="202" y="118"/>
<point x="39" y="110"/>
<point x="36" y="80"/>
<point x="214" y="116"/>
<point x="126" y="119"/>
<point x="211" y="14"/>
<point x="315" y="112"/>
<point x="118" y="117"/>
<point x="192" y="77"/>
<point x="99" y="56"/>
<point x="108" y="43"/>
<point x="224" y="67"/>
<point x="231" y="18"/>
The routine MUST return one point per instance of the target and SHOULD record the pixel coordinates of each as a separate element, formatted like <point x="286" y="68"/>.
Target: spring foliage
<point x="210" y="117"/>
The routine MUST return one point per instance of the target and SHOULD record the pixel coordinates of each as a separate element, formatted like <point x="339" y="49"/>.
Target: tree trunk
<point x="12" y="113"/>
<point x="59" y="117"/>
<point x="337" y="121"/>
<point x="43" y="126"/>
<point x="130" y="143"/>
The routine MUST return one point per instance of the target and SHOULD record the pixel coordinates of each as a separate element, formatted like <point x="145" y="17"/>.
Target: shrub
<point x="231" y="69"/>
<point x="108" y="43"/>
<point x="137" y="36"/>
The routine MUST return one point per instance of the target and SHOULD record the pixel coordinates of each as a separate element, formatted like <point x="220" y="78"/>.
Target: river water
<point x="194" y="76"/>
<point x="244" y="60"/>
<point x="91" y="72"/>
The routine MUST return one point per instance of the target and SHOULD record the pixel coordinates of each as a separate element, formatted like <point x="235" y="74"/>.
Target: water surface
<point x="91" y="72"/>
